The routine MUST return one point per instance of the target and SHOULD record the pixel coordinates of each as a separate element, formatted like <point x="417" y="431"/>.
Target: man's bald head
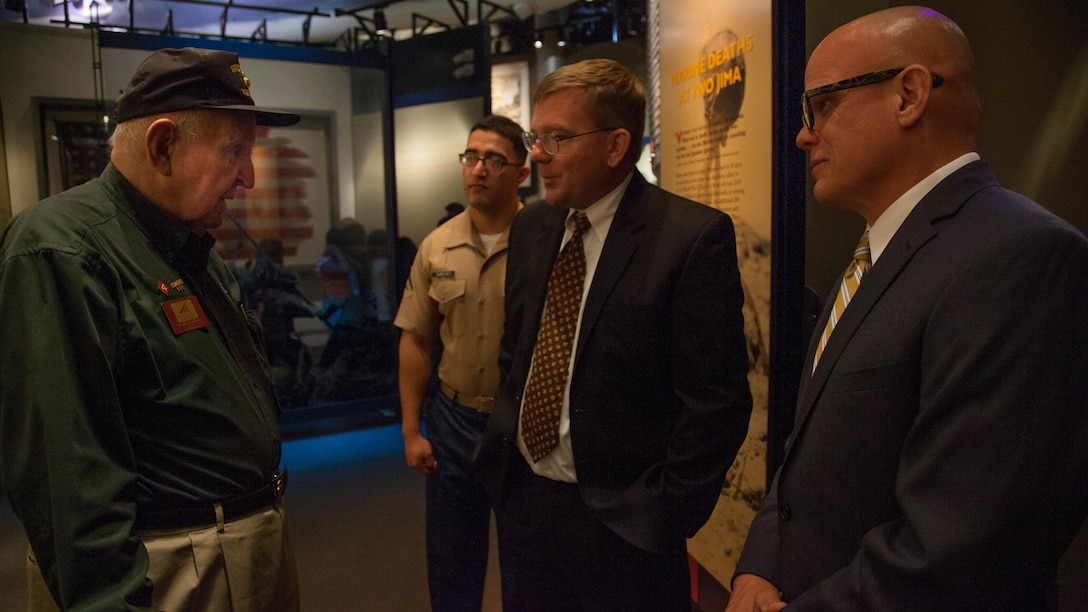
<point x="890" y="98"/>
<point x="905" y="35"/>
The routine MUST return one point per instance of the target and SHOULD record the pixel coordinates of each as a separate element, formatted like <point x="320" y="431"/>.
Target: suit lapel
<point x="620" y="244"/>
<point x="914" y="233"/>
<point x="547" y="239"/>
<point x="918" y="228"/>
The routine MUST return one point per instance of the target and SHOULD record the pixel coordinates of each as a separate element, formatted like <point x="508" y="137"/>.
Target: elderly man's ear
<point x="159" y="141"/>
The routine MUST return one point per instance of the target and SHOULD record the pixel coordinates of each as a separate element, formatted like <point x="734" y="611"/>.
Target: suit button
<point x="784" y="512"/>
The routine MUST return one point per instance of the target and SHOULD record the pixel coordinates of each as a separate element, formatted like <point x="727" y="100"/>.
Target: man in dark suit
<point x="939" y="457"/>
<point x="654" y="403"/>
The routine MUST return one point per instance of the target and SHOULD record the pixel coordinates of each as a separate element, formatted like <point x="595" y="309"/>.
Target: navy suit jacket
<point x="659" y="400"/>
<point x="939" y="451"/>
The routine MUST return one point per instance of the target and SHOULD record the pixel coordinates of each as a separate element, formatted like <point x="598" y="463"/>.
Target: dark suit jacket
<point x="938" y="458"/>
<point x="659" y="398"/>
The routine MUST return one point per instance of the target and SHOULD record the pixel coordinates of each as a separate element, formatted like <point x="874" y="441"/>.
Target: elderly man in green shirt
<point x="139" y="431"/>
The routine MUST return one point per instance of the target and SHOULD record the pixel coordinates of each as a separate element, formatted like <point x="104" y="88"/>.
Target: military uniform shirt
<point x="451" y="265"/>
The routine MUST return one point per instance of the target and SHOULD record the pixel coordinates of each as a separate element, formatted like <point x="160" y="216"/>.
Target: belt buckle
<point x="279" y="482"/>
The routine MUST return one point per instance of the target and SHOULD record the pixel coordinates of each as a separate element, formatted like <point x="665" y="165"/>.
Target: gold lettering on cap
<point x="236" y="68"/>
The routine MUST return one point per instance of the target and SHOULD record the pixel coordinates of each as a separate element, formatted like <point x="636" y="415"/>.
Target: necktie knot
<point x="581" y="224"/>
<point x="862" y="254"/>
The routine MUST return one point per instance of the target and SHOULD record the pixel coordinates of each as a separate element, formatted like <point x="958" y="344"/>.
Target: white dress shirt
<point x="559" y="463"/>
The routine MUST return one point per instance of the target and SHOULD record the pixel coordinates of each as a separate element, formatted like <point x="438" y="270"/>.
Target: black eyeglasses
<point x="469" y="159"/>
<point x="550" y="142"/>
<point x="870" y="78"/>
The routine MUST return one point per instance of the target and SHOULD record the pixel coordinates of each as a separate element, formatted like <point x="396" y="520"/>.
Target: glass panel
<point x="322" y="283"/>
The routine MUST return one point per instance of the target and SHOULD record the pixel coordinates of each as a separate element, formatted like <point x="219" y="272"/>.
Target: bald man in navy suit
<point x="939" y="457"/>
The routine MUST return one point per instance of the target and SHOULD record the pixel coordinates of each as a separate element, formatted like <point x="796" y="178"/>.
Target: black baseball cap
<point x="172" y="80"/>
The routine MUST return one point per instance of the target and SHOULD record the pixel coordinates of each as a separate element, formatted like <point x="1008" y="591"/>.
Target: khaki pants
<point x="247" y="565"/>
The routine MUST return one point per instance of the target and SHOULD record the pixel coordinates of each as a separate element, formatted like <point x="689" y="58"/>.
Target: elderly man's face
<point x="210" y="167"/>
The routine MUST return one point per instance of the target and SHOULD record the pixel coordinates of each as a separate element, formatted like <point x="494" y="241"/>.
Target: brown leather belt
<point x="200" y="515"/>
<point x="479" y="404"/>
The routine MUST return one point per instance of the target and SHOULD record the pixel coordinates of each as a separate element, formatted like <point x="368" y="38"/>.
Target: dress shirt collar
<point x="461" y="232"/>
<point x="880" y="234"/>
<point x="601" y="212"/>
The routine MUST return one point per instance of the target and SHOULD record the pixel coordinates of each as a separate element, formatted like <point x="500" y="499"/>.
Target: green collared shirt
<point x="129" y="378"/>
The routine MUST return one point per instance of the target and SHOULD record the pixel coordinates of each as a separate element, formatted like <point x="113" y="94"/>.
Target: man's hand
<point x="754" y="594"/>
<point x="417" y="450"/>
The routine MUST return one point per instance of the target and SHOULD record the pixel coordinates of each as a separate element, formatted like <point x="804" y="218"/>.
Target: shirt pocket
<point x="445" y="290"/>
<point x="449" y="294"/>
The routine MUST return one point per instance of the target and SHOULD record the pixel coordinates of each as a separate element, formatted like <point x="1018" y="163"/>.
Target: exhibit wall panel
<point x="714" y="95"/>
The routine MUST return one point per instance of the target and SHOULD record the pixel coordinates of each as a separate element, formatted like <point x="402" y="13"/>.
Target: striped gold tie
<point x="851" y="279"/>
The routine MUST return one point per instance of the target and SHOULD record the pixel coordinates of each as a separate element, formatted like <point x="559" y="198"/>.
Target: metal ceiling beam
<point x="375" y="4"/>
<point x="492" y="9"/>
<point x="461" y="11"/>
<point x="251" y="7"/>
<point x="427" y="22"/>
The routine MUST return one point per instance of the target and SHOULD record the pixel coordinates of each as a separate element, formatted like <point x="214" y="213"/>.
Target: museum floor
<point x="357" y="518"/>
<point x="356" y="515"/>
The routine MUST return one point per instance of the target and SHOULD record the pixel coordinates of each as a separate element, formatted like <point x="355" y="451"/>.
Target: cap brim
<point x="265" y="116"/>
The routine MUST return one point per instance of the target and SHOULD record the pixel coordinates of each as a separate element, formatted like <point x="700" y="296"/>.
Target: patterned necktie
<point x="554" y="345"/>
<point x="851" y="279"/>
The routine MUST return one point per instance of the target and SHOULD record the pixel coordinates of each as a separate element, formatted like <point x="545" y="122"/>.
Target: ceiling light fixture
<point x="95" y="8"/>
<point x="381" y="26"/>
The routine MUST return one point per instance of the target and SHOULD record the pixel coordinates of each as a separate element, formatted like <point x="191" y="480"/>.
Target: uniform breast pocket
<point x="444" y="290"/>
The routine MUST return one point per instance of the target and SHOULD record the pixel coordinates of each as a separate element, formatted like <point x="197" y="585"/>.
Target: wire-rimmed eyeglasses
<point x="549" y="142"/>
<point x="469" y="159"/>
<point x="869" y="78"/>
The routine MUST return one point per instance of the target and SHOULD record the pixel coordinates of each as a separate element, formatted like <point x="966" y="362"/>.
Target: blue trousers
<point x="458" y="512"/>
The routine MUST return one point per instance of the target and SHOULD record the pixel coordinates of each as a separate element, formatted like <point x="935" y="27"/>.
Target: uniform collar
<point x="462" y="233"/>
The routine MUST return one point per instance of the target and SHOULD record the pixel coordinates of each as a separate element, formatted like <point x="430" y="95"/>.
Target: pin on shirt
<point x="184" y="314"/>
<point x="178" y="285"/>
